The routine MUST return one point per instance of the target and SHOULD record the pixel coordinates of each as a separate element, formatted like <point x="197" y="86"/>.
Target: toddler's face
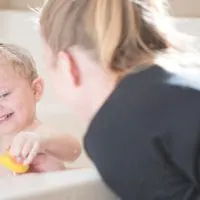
<point x="17" y="102"/>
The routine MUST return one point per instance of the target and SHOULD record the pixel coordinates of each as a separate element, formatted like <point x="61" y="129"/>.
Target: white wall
<point x="19" y="28"/>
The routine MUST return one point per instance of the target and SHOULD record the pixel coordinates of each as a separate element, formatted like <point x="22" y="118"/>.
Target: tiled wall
<point x="19" y="4"/>
<point x="3" y="4"/>
<point x="181" y="8"/>
<point x="185" y="8"/>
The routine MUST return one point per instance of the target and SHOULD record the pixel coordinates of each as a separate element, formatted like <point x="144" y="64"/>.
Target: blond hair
<point x="19" y="59"/>
<point x="119" y="32"/>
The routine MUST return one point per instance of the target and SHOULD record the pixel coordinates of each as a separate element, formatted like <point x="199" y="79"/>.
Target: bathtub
<point x="84" y="184"/>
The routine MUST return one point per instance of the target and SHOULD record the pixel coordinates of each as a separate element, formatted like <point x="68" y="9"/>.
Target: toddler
<point x="21" y="133"/>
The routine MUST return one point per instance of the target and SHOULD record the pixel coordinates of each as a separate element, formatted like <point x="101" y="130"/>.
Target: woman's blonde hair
<point x="121" y="33"/>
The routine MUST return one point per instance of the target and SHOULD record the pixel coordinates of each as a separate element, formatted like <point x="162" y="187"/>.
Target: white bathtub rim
<point x="22" y="187"/>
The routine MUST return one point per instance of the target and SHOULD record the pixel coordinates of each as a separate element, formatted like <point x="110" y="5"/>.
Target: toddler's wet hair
<point x="18" y="58"/>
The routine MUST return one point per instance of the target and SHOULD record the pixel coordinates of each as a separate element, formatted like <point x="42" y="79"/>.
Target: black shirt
<point x="145" y="139"/>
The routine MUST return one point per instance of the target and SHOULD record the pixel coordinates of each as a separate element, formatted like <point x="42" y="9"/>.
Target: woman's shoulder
<point x="149" y="98"/>
<point x="157" y="84"/>
<point x="148" y="119"/>
<point x="179" y="78"/>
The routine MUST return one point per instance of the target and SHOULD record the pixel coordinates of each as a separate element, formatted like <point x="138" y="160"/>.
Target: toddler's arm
<point x="63" y="146"/>
<point x="40" y="139"/>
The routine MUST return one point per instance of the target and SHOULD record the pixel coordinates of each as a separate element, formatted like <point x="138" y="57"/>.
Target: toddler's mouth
<point x="5" y="117"/>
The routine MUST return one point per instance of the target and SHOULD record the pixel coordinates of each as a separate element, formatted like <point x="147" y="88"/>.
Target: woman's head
<point x="94" y="42"/>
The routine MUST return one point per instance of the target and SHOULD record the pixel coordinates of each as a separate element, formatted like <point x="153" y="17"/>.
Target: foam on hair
<point x="20" y="59"/>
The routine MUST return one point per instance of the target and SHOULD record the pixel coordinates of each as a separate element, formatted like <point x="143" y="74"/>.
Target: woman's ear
<point x="68" y="62"/>
<point x="38" y="88"/>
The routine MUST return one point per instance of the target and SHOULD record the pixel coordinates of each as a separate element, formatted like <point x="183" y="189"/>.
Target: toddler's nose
<point x="1" y="108"/>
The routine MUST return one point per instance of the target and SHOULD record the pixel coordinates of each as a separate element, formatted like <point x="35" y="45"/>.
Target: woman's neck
<point x="99" y="95"/>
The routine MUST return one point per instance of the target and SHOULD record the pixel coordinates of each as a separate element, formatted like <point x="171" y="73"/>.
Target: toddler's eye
<point x="4" y="95"/>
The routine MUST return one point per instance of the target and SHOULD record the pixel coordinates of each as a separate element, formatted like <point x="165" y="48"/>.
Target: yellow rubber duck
<point x="9" y="162"/>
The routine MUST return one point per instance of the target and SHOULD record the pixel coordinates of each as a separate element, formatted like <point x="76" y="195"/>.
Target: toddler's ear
<point x="38" y="88"/>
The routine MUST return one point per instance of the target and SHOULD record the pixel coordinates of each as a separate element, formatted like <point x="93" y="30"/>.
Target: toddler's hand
<point x="25" y="147"/>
